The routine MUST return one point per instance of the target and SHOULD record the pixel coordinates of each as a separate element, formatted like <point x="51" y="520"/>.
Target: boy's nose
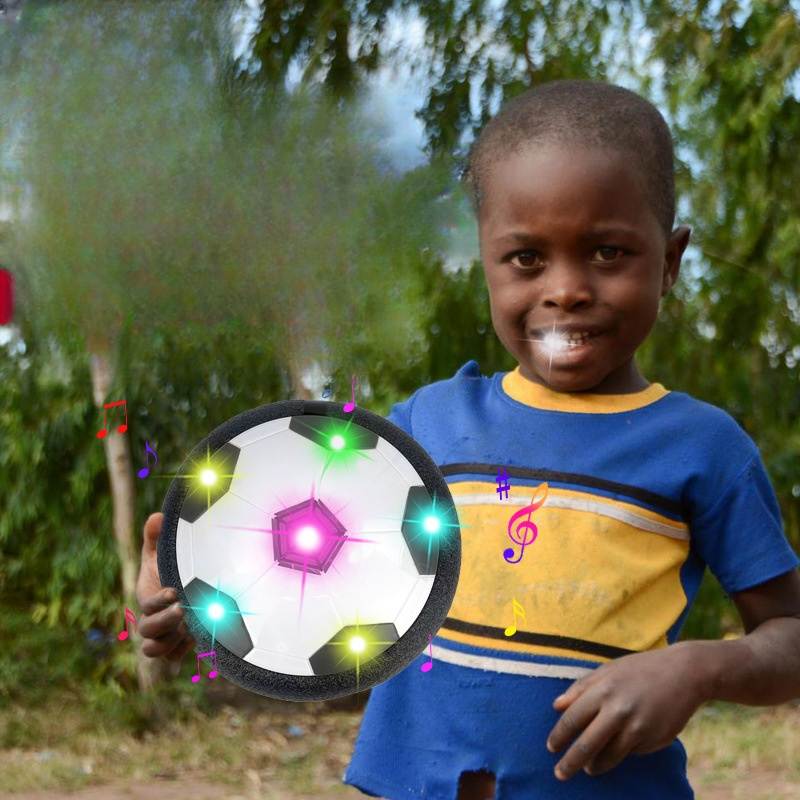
<point x="566" y="287"/>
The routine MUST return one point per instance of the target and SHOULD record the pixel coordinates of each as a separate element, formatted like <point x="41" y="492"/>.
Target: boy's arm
<point x="640" y="703"/>
<point x="762" y="668"/>
<point x="162" y="627"/>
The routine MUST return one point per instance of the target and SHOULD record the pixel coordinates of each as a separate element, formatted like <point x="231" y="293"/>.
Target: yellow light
<point x="357" y="644"/>
<point x="208" y="477"/>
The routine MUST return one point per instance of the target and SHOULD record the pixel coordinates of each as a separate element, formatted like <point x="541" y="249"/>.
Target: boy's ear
<point x="676" y="244"/>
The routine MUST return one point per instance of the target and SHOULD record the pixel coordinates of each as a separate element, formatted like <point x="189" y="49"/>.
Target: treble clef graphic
<point x="520" y="533"/>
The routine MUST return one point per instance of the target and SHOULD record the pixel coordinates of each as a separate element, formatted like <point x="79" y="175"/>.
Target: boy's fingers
<point x="573" y="721"/>
<point x="160" y="618"/>
<point x="152" y="530"/>
<point x="584" y="750"/>
<point x="159" y="601"/>
<point x="172" y="647"/>
<point x="611" y="755"/>
<point x="165" y="634"/>
<point x="182" y="649"/>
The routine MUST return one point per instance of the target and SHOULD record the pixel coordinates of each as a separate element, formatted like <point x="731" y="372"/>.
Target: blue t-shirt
<point x="643" y="491"/>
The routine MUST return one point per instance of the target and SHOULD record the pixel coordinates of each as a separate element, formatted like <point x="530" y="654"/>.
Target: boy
<point x="574" y="193"/>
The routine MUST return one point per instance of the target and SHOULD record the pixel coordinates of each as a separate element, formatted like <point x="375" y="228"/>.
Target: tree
<point x="473" y="48"/>
<point x="728" y="77"/>
<point x="152" y="206"/>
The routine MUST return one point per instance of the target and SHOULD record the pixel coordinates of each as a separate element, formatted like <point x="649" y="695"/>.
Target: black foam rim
<point x="386" y="664"/>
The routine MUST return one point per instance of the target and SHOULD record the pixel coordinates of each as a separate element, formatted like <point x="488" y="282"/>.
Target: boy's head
<point x="573" y="187"/>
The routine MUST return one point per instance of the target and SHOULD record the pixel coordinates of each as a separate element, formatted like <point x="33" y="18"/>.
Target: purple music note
<point x="213" y="673"/>
<point x="429" y="666"/>
<point x="143" y="473"/>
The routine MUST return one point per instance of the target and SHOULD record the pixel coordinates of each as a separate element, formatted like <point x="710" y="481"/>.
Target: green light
<point x="431" y="524"/>
<point x="215" y="611"/>
<point x="337" y="442"/>
<point x="357" y="644"/>
<point x="208" y="477"/>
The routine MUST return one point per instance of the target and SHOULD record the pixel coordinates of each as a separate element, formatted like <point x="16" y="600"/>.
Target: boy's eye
<point x="608" y="253"/>
<point x="524" y="259"/>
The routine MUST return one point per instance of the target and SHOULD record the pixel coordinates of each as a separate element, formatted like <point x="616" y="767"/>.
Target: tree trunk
<point x="120" y="474"/>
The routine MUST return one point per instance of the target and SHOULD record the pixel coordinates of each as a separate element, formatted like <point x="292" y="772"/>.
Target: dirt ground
<point x="755" y="785"/>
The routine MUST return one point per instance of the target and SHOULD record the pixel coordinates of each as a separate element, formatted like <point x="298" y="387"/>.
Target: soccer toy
<point x="314" y="550"/>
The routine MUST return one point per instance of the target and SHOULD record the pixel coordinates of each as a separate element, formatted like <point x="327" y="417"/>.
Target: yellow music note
<point x="512" y="629"/>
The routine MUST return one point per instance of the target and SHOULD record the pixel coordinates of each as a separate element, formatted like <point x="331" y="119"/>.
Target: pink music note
<point x="143" y="473"/>
<point x="350" y="406"/>
<point x="129" y="616"/>
<point x="213" y="673"/>
<point x="122" y="428"/>
<point x="429" y="666"/>
<point x="521" y="537"/>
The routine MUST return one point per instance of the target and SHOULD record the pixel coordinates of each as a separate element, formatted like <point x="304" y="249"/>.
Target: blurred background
<point x="210" y="206"/>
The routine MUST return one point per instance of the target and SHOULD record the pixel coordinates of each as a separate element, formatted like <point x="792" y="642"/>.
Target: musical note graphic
<point x="122" y="428"/>
<point x="524" y="526"/>
<point x="429" y="666"/>
<point x="350" y="406"/>
<point x="213" y="673"/>
<point x="143" y="473"/>
<point x="129" y="616"/>
<point x="512" y="629"/>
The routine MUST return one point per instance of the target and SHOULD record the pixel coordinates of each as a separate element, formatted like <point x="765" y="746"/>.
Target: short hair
<point x="583" y="113"/>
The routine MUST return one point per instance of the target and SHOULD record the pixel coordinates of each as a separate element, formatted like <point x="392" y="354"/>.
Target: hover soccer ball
<point x="313" y="550"/>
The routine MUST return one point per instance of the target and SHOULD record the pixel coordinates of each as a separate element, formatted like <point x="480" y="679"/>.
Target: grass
<point x="728" y="743"/>
<point x="298" y="748"/>
<point x="56" y="734"/>
<point x="244" y="742"/>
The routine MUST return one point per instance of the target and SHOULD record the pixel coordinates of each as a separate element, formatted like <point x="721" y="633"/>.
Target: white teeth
<point x="561" y="341"/>
<point x="574" y="339"/>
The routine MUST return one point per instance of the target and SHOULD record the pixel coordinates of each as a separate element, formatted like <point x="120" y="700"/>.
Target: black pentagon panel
<point x="230" y="629"/>
<point x="201" y="497"/>
<point x="337" y="655"/>
<point x="320" y="430"/>
<point x="423" y="545"/>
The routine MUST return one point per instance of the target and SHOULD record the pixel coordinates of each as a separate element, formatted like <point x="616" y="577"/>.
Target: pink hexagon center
<point x="307" y="536"/>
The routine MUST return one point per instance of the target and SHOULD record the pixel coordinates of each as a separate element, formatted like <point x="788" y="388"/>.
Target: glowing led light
<point x="208" y="477"/>
<point x="555" y="341"/>
<point x="307" y="538"/>
<point x="216" y="611"/>
<point x="337" y="442"/>
<point x="357" y="644"/>
<point x="431" y="524"/>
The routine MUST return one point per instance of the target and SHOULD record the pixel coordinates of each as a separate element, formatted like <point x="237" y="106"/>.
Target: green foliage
<point x="735" y="339"/>
<point x="320" y="35"/>
<point x="220" y="244"/>
<point x="477" y="52"/>
<point x="35" y="660"/>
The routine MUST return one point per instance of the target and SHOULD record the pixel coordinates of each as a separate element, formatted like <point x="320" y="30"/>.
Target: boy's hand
<point x="163" y="629"/>
<point x="637" y="704"/>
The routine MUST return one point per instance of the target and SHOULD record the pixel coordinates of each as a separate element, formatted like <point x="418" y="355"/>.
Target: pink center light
<point x="307" y="539"/>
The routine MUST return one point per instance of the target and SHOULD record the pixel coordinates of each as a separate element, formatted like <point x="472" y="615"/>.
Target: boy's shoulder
<point x="676" y="413"/>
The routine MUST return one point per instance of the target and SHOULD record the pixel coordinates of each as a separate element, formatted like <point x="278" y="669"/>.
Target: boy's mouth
<point x="559" y="341"/>
<point x="554" y="340"/>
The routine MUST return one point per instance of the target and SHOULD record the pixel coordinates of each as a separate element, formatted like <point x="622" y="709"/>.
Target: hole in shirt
<point x="478" y="785"/>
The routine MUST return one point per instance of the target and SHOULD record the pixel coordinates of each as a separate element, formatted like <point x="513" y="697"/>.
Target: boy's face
<point x="571" y="245"/>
